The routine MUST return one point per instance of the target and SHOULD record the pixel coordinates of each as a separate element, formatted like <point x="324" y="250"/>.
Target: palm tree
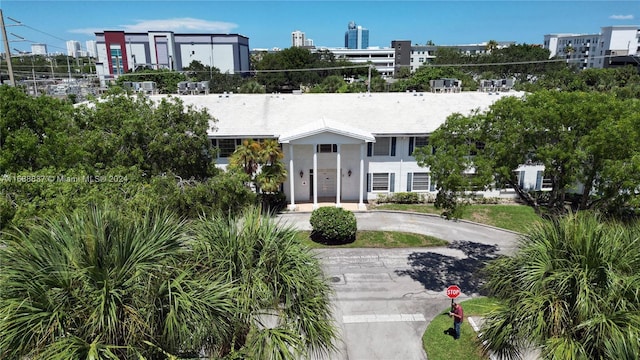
<point x="283" y="298"/>
<point x="273" y="172"/>
<point x="246" y="157"/>
<point x="261" y="161"/>
<point x="271" y="177"/>
<point x="572" y="290"/>
<point x="491" y="45"/>
<point x="252" y="87"/>
<point x="99" y="284"/>
<point x="333" y="83"/>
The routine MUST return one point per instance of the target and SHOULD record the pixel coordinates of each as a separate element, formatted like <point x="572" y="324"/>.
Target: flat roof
<point x="273" y="115"/>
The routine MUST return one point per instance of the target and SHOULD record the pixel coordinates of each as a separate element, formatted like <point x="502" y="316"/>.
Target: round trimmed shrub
<point x="333" y="225"/>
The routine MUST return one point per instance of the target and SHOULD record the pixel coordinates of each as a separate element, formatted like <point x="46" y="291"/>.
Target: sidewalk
<point x="308" y="207"/>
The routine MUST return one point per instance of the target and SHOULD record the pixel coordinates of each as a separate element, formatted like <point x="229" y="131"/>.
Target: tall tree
<point x="101" y="284"/>
<point x="36" y="132"/>
<point x="261" y="161"/>
<point x="294" y="58"/>
<point x="491" y="46"/>
<point x="272" y="172"/>
<point x="568" y="132"/>
<point x="572" y="291"/>
<point x="247" y="157"/>
<point x="122" y="130"/>
<point x="283" y="300"/>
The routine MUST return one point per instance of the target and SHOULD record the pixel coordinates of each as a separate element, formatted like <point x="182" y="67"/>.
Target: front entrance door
<point x="327" y="186"/>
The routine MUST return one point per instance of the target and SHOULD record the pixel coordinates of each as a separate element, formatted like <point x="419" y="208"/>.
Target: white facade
<point x="594" y="50"/>
<point x="92" y="49"/>
<point x="383" y="59"/>
<point x="345" y="147"/>
<point x="424" y="54"/>
<point x="119" y="52"/>
<point x="620" y="40"/>
<point x="297" y="39"/>
<point x="39" y="49"/>
<point x="73" y="48"/>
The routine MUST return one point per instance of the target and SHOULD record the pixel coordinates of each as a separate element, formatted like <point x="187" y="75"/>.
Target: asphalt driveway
<point x="385" y="298"/>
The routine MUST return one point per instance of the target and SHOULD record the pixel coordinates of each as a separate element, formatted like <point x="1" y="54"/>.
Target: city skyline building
<point x="297" y="38"/>
<point x="39" y="49"/>
<point x="119" y="52"/>
<point x="356" y="37"/>
<point x="73" y="48"/>
<point x="92" y="48"/>
<point x="594" y="50"/>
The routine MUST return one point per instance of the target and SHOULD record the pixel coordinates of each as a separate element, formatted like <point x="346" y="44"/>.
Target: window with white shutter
<point x="380" y="182"/>
<point x="420" y="182"/>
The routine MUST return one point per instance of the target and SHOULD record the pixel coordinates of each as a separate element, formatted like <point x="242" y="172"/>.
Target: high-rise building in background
<point x="39" y="49"/>
<point x="356" y="37"/>
<point x="73" y="48"/>
<point x="297" y="39"/>
<point x="120" y="52"/>
<point x="92" y="49"/>
<point x="595" y="50"/>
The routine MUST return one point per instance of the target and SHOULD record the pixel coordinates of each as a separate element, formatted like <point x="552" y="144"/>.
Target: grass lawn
<point x="379" y="239"/>
<point x="511" y="217"/>
<point x="441" y="346"/>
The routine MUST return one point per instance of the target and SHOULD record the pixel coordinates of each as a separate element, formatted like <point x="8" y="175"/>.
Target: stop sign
<point x="453" y="291"/>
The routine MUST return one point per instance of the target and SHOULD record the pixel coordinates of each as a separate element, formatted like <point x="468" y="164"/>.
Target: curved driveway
<point x="384" y="298"/>
<point x="427" y="224"/>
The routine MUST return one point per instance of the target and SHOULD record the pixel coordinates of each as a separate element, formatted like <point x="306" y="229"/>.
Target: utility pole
<point x="12" y="80"/>
<point x="369" y="81"/>
<point x="53" y="76"/>
<point x="68" y="68"/>
<point x="33" y="73"/>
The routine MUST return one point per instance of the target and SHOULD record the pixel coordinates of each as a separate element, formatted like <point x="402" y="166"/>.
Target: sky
<point x="269" y="23"/>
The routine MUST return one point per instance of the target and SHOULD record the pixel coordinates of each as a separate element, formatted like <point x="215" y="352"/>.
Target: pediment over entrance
<point x="326" y="131"/>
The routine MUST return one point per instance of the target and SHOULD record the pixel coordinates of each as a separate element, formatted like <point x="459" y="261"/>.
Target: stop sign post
<point x="453" y="291"/>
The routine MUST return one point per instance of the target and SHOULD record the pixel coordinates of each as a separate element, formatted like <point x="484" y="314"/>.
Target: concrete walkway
<point x="385" y="298"/>
<point x="307" y="207"/>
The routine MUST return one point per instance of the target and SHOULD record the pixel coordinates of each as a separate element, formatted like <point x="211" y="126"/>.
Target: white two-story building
<point x="344" y="147"/>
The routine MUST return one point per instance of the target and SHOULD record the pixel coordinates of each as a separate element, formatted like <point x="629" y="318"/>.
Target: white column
<point x="292" y="178"/>
<point x="361" y="205"/>
<point x="315" y="176"/>
<point x="338" y="179"/>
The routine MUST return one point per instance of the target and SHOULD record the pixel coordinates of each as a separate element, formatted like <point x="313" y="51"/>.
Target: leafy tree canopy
<point x="297" y="58"/>
<point x="55" y="157"/>
<point x="36" y="132"/>
<point x="589" y="144"/>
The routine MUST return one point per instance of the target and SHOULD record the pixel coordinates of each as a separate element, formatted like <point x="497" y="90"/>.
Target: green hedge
<point x="333" y="225"/>
<point x="404" y="198"/>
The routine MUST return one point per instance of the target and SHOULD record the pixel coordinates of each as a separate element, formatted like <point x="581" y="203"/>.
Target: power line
<point x="307" y="69"/>
<point x="436" y="65"/>
<point x="20" y="23"/>
<point x="574" y="60"/>
<point x="42" y="32"/>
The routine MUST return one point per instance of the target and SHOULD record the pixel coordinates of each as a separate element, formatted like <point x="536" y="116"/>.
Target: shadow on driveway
<point x="436" y="271"/>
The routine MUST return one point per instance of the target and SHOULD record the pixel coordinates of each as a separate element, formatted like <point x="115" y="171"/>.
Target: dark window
<point x="327" y="148"/>
<point x="382" y="147"/>
<point x="226" y="147"/>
